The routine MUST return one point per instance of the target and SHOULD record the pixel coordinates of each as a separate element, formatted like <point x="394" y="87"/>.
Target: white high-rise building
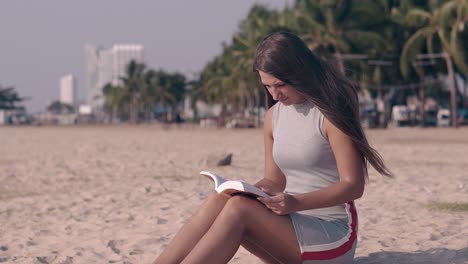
<point x="91" y="73"/>
<point x="105" y="66"/>
<point x="68" y="90"/>
<point x="105" y="71"/>
<point x="123" y="54"/>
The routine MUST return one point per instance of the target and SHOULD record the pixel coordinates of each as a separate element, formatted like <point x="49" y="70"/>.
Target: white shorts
<point x="326" y="242"/>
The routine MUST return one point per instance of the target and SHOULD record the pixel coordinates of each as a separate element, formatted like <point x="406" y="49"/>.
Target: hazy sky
<point x="40" y="41"/>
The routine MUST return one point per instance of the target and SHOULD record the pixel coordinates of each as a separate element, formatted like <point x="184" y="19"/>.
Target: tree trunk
<point x="242" y="106"/>
<point x="422" y="96"/>
<point x="222" y="115"/>
<point x="134" y="110"/>
<point x="339" y="61"/>
<point x="250" y="101"/>
<point x="453" y="91"/>
<point x="257" y="107"/>
<point x="146" y="111"/>
<point x="465" y="97"/>
<point x="193" y="104"/>
<point x="381" y="108"/>
<point x="114" y="114"/>
<point x="387" y="109"/>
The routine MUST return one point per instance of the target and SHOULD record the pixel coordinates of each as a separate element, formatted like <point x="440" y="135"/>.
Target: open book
<point x="233" y="187"/>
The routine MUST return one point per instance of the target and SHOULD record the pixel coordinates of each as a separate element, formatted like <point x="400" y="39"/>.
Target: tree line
<point x="141" y="90"/>
<point x="377" y="43"/>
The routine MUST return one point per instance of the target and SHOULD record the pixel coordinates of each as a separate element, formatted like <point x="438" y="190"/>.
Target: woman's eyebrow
<point x="274" y="84"/>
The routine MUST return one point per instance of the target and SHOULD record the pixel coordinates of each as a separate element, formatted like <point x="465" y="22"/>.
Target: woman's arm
<point x="274" y="179"/>
<point x="350" y="169"/>
<point x="350" y="187"/>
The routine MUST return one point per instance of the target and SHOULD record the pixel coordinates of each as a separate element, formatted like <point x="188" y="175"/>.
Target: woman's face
<point x="281" y="91"/>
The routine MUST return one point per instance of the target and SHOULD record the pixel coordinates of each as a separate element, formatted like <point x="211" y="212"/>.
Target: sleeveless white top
<point x="304" y="155"/>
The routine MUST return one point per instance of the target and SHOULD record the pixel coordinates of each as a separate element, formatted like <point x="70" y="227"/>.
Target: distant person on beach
<point x="169" y="117"/>
<point x="316" y="156"/>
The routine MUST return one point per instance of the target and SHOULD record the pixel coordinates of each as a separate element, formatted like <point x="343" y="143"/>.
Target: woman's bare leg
<point x="241" y="218"/>
<point x="193" y="230"/>
<point x="180" y="246"/>
<point x="259" y="252"/>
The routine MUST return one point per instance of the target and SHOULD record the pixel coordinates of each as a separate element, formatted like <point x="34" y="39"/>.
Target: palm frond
<point x="366" y="39"/>
<point x="418" y="18"/>
<point x="412" y="47"/>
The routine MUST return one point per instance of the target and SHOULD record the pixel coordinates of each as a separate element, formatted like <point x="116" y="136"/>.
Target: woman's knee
<point x="216" y="197"/>
<point x="212" y="196"/>
<point x="240" y="205"/>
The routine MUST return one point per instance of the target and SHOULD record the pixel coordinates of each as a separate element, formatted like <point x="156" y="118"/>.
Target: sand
<point x="118" y="194"/>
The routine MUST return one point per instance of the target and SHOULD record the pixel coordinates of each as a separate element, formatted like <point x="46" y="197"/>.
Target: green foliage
<point x="58" y="107"/>
<point x="440" y="21"/>
<point x="9" y="98"/>
<point x="228" y="78"/>
<point x="141" y="90"/>
<point x="450" y="207"/>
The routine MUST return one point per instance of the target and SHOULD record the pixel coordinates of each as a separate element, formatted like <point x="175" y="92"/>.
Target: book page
<point x="218" y="180"/>
<point x="231" y="187"/>
<point x="249" y="188"/>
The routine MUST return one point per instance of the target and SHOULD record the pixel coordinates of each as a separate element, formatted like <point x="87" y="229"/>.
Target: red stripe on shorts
<point x="341" y="250"/>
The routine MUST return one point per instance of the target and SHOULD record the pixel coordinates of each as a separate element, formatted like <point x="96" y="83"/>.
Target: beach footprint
<point x="115" y="245"/>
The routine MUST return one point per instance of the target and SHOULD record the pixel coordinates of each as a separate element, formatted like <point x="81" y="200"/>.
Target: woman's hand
<point x="280" y="203"/>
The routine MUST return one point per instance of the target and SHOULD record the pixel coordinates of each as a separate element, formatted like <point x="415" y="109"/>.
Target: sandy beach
<point x="118" y="194"/>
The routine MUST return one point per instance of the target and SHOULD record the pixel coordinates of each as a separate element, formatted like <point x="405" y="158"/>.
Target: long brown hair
<point x="287" y="57"/>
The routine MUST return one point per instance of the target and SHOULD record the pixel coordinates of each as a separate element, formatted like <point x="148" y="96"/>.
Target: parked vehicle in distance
<point x="401" y="115"/>
<point x="443" y="117"/>
<point x="431" y="117"/>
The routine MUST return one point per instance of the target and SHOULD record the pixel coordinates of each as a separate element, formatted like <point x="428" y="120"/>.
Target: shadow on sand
<point x="431" y="256"/>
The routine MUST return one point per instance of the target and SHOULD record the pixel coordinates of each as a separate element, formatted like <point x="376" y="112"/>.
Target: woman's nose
<point x="275" y="94"/>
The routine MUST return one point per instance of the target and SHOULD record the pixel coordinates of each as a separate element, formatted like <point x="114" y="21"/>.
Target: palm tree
<point x="333" y="28"/>
<point x="134" y="84"/>
<point x="436" y="22"/>
<point x="228" y="79"/>
<point x="336" y="26"/>
<point x="259" y="22"/>
<point x="148" y="98"/>
<point x="160" y="89"/>
<point x="9" y="98"/>
<point x="212" y="84"/>
<point x="379" y="70"/>
<point x="175" y="84"/>
<point x="114" y="99"/>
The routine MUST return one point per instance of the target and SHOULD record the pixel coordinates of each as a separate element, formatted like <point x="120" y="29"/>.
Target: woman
<point x="316" y="157"/>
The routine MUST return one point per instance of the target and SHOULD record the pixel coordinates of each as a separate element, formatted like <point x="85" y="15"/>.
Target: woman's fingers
<point x="279" y="203"/>
<point x="274" y="206"/>
<point x="277" y="208"/>
<point x="277" y="198"/>
<point x="274" y="200"/>
<point x="267" y="191"/>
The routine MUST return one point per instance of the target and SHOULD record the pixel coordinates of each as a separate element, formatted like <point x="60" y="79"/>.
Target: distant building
<point x="107" y="66"/>
<point x="122" y="55"/>
<point x="68" y="88"/>
<point x="91" y="73"/>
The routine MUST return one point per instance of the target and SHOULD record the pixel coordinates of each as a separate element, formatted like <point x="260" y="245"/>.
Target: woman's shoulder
<point x="270" y="112"/>
<point x="271" y="115"/>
